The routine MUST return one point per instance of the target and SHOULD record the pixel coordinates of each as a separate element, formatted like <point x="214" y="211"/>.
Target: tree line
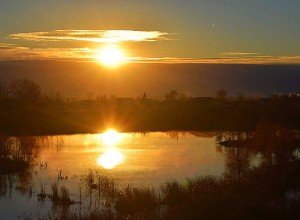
<point x="23" y="109"/>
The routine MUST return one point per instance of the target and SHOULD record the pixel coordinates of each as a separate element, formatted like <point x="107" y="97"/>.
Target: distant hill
<point x="131" y="80"/>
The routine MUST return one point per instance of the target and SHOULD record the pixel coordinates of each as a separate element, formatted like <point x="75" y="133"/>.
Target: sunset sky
<point x="189" y="31"/>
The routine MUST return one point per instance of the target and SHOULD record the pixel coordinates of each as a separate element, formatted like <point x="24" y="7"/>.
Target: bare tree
<point x="221" y="94"/>
<point x="144" y="96"/>
<point x="25" y="90"/>
<point x="172" y="96"/>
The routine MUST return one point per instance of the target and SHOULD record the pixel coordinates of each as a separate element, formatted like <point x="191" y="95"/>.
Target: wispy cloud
<point x="13" y="52"/>
<point x="4" y="46"/>
<point x="100" y="36"/>
<point x="235" y="60"/>
<point x="237" y="53"/>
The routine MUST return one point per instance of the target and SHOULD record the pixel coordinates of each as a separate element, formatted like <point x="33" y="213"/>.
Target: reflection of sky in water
<point x="131" y="158"/>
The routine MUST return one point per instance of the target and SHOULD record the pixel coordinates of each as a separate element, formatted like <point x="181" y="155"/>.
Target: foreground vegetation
<point x="267" y="192"/>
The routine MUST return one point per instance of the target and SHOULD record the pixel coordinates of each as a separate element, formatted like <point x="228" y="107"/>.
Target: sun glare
<point x="110" y="159"/>
<point x="111" y="155"/>
<point x="111" y="137"/>
<point x="111" y="56"/>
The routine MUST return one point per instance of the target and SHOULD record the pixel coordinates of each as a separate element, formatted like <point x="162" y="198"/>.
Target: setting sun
<point x="111" y="56"/>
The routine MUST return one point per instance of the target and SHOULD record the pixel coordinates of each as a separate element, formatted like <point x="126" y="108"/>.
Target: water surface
<point x="139" y="159"/>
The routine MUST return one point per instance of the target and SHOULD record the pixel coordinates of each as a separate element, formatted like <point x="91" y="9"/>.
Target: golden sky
<point x="204" y="31"/>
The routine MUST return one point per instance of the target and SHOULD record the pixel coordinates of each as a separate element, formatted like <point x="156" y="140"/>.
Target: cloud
<point x="265" y="60"/>
<point x="14" y="52"/>
<point x="4" y="46"/>
<point x="99" y="36"/>
<point x="238" y="54"/>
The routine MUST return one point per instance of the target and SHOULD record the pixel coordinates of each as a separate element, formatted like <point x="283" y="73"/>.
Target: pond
<point x="137" y="159"/>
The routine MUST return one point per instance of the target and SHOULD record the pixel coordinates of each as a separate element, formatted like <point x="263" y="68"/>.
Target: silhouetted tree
<point x="144" y="97"/>
<point x="3" y="91"/>
<point x="90" y="95"/>
<point x="172" y="96"/>
<point x="25" y="90"/>
<point x="221" y="94"/>
<point x="183" y="97"/>
<point x="241" y="98"/>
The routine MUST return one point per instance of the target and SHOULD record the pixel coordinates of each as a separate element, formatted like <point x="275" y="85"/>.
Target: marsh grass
<point x="54" y="188"/>
<point x="98" y="186"/>
<point x="259" y="193"/>
<point x="16" y="153"/>
<point x="65" y="195"/>
<point x="60" y="195"/>
<point x="265" y="192"/>
<point x="132" y="200"/>
<point x="42" y="193"/>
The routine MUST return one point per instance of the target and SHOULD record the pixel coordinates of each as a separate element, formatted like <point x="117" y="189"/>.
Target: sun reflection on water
<point x="111" y="156"/>
<point x="110" y="159"/>
<point x="111" y="137"/>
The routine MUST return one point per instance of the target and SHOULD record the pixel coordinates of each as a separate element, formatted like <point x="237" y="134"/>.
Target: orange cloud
<point x="238" y="54"/>
<point x="228" y="60"/>
<point x="13" y="52"/>
<point x="99" y="36"/>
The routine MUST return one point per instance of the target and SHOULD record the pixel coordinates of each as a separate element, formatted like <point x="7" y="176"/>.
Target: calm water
<point x="139" y="159"/>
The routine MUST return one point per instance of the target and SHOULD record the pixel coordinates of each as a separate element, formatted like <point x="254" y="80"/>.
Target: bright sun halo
<point x="111" y="56"/>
